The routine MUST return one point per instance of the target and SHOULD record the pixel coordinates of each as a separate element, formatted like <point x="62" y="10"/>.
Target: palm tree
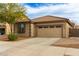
<point x="10" y="12"/>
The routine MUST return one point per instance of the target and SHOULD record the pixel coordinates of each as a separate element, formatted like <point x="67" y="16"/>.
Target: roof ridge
<point x="51" y="16"/>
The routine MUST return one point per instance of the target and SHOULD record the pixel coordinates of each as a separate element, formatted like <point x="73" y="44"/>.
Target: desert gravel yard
<point x="68" y="42"/>
<point x="36" y="47"/>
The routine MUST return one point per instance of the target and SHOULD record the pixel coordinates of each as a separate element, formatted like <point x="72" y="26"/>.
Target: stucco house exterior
<point x="51" y="26"/>
<point x="46" y="26"/>
<point x="21" y="28"/>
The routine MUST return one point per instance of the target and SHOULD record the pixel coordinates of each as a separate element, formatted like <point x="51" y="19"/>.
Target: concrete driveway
<point x="34" y="47"/>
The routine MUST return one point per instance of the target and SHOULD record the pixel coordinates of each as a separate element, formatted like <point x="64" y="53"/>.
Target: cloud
<point x="68" y="10"/>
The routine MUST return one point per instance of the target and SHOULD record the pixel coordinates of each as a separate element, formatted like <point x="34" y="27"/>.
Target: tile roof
<point x="51" y="18"/>
<point x="48" y="18"/>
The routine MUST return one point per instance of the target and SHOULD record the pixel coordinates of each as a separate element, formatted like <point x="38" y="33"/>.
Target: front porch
<point x="22" y="29"/>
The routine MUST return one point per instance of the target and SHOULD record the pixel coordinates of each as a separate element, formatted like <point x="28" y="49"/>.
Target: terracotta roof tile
<point x="48" y="18"/>
<point x="51" y="18"/>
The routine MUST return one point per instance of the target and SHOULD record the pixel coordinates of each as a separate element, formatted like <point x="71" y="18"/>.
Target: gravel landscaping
<point x="69" y="42"/>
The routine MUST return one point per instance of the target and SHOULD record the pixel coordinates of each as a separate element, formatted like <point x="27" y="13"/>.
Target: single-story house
<point x="46" y="26"/>
<point x="51" y="26"/>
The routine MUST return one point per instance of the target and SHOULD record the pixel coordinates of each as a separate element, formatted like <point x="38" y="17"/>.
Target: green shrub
<point x="12" y="37"/>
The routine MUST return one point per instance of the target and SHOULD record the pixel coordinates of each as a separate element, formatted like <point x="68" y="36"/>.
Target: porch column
<point x="32" y="30"/>
<point x="13" y="28"/>
<point x="7" y="30"/>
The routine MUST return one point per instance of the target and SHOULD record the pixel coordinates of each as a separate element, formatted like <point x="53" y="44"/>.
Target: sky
<point x="66" y="10"/>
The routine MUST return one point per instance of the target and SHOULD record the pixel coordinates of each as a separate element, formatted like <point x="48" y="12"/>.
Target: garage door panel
<point x="49" y="32"/>
<point x="56" y="32"/>
<point x="42" y="32"/>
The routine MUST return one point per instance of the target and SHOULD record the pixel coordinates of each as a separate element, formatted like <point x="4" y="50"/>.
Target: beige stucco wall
<point x="7" y="29"/>
<point x="27" y="29"/>
<point x="66" y="29"/>
<point x="53" y="23"/>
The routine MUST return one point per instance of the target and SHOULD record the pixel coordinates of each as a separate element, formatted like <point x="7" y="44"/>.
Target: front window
<point x="21" y="27"/>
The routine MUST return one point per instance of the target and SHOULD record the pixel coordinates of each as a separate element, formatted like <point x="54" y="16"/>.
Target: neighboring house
<point x="76" y="27"/>
<point x="46" y="26"/>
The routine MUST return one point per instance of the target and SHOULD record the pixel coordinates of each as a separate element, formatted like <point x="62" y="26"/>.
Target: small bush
<point x="12" y="37"/>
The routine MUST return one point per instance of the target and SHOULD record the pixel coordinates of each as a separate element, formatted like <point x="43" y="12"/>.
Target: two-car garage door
<point x="49" y="31"/>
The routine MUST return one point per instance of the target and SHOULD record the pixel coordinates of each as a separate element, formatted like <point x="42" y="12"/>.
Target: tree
<point x="10" y="12"/>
